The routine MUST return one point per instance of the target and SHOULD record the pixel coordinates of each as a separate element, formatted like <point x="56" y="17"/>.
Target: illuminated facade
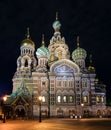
<point x="67" y="86"/>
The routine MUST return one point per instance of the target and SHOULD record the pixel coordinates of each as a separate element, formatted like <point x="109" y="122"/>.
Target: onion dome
<point x="56" y="25"/>
<point x="27" y="41"/>
<point x="79" y="52"/>
<point x="43" y="50"/>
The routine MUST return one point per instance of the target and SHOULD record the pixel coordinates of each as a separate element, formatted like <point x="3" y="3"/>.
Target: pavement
<point x="58" y="124"/>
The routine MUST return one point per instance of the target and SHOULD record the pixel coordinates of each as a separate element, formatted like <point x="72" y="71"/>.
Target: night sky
<point x="91" y="20"/>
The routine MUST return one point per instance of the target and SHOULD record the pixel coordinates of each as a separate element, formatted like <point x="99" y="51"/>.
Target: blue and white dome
<point x="43" y="51"/>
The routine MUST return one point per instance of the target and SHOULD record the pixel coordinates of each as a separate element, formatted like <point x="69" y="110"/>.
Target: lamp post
<point x="82" y="105"/>
<point x="40" y="99"/>
<point x="4" y="114"/>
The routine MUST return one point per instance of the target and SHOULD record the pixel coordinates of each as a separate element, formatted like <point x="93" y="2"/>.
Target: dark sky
<point x="90" y="19"/>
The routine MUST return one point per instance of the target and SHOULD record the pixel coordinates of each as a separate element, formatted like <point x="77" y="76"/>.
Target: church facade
<point x="66" y="85"/>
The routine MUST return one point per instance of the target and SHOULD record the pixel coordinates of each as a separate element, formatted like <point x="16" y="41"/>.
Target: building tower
<point x="79" y="55"/>
<point x="43" y="55"/>
<point x="26" y="62"/>
<point x="57" y="47"/>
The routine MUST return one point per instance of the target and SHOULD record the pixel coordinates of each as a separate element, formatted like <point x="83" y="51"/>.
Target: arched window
<point x="102" y="99"/>
<point x="70" y="99"/>
<point x="58" y="99"/>
<point x="58" y="83"/>
<point x="64" y="83"/>
<point x="26" y="63"/>
<point x="43" y="83"/>
<point x="85" y="99"/>
<point x="71" y="83"/>
<point x="98" y="99"/>
<point x="84" y="82"/>
<point x="64" y="99"/>
<point x="26" y="50"/>
<point x="43" y="99"/>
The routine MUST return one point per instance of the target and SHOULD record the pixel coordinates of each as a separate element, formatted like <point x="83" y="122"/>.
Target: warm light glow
<point x="4" y="98"/>
<point x="82" y="104"/>
<point x="40" y="98"/>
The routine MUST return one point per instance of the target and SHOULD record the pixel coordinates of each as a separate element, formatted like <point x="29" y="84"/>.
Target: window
<point x="102" y="99"/>
<point x="64" y="99"/>
<point x="64" y="83"/>
<point x="43" y="83"/>
<point x="98" y="99"/>
<point x="43" y="99"/>
<point x="52" y="89"/>
<point x="52" y="81"/>
<point x="26" y="63"/>
<point x="52" y="95"/>
<point x="58" y="99"/>
<point x="52" y="99"/>
<point x="84" y="84"/>
<point x="59" y="83"/>
<point x="85" y="99"/>
<point x="70" y="99"/>
<point x="52" y="85"/>
<point x="71" y="83"/>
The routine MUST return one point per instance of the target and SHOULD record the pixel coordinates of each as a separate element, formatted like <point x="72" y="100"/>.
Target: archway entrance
<point x="98" y="113"/>
<point x="86" y="113"/>
<point x="20" y="112"/>
<point x="60" y="113"/>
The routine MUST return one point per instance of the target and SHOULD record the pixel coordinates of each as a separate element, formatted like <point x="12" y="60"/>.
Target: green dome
<point x="79" y="53"/>
<point x="27" y="42"/>
<point x="43" y="51"/>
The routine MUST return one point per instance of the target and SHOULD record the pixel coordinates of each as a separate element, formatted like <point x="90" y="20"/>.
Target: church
<point x="66" y="85"/>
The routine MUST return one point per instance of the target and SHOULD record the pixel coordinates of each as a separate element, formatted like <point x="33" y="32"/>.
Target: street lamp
<point x="82" y="105"/>
<point x="4" y="114"/>
<point x="40" y="99"/>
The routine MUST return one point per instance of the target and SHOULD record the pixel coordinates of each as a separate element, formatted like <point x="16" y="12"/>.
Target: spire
<point x="56" y="16"/>
<point x="90" y="59"/>
<point x="28" y="34"/>
<point x="43" y="42"/>
<point x="91" y="67"/>
<point x="78" y="41"/>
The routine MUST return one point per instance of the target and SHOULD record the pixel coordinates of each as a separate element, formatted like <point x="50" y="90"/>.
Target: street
<point x="58" y="124"/>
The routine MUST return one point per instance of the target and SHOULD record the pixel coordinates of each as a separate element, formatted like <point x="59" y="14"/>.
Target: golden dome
<point x="27" y="41"/>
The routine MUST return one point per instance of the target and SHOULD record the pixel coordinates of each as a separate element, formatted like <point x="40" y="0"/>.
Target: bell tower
<point x="26" y="62"/>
